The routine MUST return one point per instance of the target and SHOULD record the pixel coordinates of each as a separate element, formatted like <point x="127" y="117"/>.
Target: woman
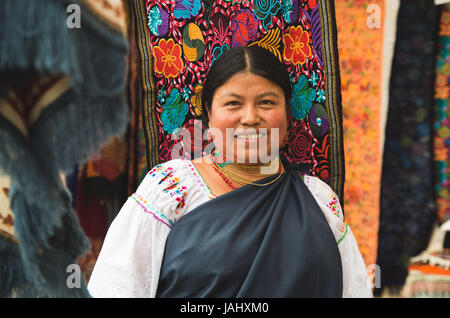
<point x="232" y="224"/>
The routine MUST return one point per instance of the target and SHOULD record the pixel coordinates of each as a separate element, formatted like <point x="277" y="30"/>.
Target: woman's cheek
<point x="278" y="120"/>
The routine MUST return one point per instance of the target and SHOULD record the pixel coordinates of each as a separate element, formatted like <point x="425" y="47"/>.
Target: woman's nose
<point x="250" y="116"/>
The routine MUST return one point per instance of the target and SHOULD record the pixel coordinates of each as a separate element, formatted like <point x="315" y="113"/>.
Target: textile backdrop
<point x="407" y="205"/>
<point x="360" y="45"/>
<point x="441" y="120"/>
<point x="179" y="40"/>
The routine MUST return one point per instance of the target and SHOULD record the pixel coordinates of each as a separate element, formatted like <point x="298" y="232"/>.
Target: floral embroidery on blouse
<point x="171" y="185"/>
<point x="198" y="178"/>
<point x="148" y="208"/>
<point x="333" y="205"/>
<point x="343" y="230"/>
<point x="155" y="170"/>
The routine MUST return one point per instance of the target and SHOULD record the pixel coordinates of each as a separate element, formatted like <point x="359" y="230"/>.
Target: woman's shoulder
<point x="171" y="186"/>
<point x="163" y="177"/>
<point x="328" y="202"/>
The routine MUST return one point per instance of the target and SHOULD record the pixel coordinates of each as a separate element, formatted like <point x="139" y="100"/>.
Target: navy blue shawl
<point x="271" y="241"/>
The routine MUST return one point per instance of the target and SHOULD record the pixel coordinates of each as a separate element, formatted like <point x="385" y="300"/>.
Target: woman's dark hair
<point x="253" y="59"/>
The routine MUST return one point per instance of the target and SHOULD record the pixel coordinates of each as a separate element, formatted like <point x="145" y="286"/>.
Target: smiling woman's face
<point x="255" y="109"/>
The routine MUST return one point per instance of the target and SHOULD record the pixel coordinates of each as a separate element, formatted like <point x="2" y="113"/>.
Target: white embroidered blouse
<point x="130" y="260"/>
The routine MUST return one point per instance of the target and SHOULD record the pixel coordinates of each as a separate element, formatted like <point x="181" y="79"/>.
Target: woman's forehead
<point x="244" y="84"/>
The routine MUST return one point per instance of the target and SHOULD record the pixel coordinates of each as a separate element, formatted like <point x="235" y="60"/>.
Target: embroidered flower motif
<point x="172" y="187"/>
<point x="271" y="42"/>
<point x="296" y="45"/>
<point x="300" y="145"/>
<point x="148" y="208"/>
<point x="174" y="111"/>
<point x="193" y="42"/>
<point x="333" y="205"/>
<point x="321" y="95"/>
<point x="314" y="80"/>
<point x="185" y="9"/>
<point x="290" y="11"/>
<point x="265" y="10"/>
<point x="192" y="142"/>
<point x="220" y="24"/>
<point x="155" y="170"/>
<point x="196" y="100"/>
<point x="244" y="26"/>
<point x="158" y="21"/>
<point x="312" y="4"/>
<point x="302" y="98"/>
<point x="218" y="51"/>
<point x="318" y="120"/>
<point x="322" y="170"/>
<point x="168" y="60"/>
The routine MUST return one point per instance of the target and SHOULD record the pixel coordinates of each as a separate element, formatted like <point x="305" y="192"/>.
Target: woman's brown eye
<point x="232" y="103"/>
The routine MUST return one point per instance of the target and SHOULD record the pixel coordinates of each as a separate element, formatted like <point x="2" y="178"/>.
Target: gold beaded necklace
<point x="232" y="171"/>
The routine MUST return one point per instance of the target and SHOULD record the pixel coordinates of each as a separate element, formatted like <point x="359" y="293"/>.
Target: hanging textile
<point x="137" y="158"/>
<point x="57" y="106"/>
<point x="407" y="209"/>
<point x="360" y="42"/>
<point x="100" y="193"/>
<point x="116" y="170"/>
<point x="390" y="31"/>
<point x="441" y="122"/>
<point x="193" y="34"/>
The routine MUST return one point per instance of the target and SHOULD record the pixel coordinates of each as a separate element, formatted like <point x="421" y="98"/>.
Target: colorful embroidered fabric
<point x="407" y="207"/>
<point x="427" y="281"/>
<point x="441" y="142"/>
<point x="360" y="62"/>
<point x="186" y="36"/>
<point x="429" y="272"/>
<point x="148" y="208"/>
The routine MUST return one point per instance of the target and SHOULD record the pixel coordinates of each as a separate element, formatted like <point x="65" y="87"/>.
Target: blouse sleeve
<point x="130" y="259"/>
<point x="355" y="278"/>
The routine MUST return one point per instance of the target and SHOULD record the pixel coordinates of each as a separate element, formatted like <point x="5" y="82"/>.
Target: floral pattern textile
<point x="441" y="136"/>
<point x="168" y="58"/>
<point x="360" y="56"/>
<point x="185" y="37"/>
<point x="296" y="45"/>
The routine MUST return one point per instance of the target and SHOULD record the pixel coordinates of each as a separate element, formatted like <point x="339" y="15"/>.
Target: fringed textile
<point x="56" y="109"/>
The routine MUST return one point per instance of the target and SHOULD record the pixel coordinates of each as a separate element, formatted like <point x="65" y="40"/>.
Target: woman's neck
<point x="252" y="172"/>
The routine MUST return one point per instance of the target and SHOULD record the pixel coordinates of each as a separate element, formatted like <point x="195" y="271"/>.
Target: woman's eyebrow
<point x="265" y="94"/>
<point x="268" y="94"/>
<point x="231" y="94"/>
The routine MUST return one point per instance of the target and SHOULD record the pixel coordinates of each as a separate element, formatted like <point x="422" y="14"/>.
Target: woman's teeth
<point x="249" y="137"/>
